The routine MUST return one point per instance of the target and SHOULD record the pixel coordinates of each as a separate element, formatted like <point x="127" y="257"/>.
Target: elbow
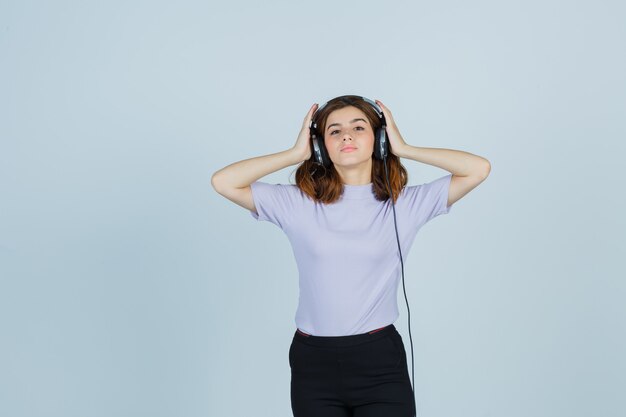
<point x="216" y="182"/>
<point x="486" y="169"/>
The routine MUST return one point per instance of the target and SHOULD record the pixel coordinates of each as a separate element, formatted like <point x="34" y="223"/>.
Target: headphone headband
<point x="376" y="107"/>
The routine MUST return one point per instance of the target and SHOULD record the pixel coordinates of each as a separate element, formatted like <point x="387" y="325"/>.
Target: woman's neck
<point x="355" y="175"/>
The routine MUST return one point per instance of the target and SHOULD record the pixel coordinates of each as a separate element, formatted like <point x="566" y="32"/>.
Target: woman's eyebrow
<point x="351" y="121"/>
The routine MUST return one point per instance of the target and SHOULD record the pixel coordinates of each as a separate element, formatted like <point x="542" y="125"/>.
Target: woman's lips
<point x="349" y="149"/>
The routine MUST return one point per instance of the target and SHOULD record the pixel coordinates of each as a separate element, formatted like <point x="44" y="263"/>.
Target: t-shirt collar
<point x="358" y="192"/>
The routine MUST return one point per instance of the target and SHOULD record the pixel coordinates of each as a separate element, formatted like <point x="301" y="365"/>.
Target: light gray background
<point x="130" y="288"/>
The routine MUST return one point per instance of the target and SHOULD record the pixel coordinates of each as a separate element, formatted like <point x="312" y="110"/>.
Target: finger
<point x="383" y="108"/>
<point x="309" y="115"/>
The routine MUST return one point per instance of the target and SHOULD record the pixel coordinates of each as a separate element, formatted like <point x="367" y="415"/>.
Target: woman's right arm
<point x="233" y="181"/>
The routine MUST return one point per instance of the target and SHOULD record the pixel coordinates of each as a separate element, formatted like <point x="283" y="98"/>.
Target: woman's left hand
<point x="396" y="143"/>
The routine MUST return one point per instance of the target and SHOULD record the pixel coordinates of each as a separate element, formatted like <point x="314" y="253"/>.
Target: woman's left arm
<point x="468" y="170"/>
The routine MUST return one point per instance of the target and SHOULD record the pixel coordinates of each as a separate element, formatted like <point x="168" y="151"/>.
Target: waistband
<point x="338" y="341"/>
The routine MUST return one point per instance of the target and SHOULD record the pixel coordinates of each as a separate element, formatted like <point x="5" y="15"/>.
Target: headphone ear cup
<point x="315" y="148"/>
<point x="318" y="149"/>
<point x="381" y="145"/>
<point x="324" y="153"/>
<point x="320" y="152"/>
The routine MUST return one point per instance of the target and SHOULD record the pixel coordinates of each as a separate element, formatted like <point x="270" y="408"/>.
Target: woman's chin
<point x="351" y="162"/>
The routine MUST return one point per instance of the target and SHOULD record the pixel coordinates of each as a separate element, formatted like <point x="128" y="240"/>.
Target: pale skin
<point x="354" y="167"/>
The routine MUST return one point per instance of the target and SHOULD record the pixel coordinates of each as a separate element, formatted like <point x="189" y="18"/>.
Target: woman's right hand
<point x="303" y="145"/>
<point x="233" y="181"/>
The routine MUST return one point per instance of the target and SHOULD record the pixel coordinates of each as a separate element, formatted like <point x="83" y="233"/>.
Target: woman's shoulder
<point x="278" y="189"/>
<point x="276" y="186"/>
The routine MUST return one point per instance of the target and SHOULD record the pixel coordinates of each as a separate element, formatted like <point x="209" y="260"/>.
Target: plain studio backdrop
<point x="129" y="287"/>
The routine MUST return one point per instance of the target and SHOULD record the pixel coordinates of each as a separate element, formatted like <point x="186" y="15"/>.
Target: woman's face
<point x="349" y="137"/>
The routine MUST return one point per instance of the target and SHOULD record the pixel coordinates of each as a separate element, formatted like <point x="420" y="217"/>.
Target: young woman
<point x="346" y="356"/>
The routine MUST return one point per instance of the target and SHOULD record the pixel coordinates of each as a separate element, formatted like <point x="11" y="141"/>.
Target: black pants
<point x="363" y="375"/>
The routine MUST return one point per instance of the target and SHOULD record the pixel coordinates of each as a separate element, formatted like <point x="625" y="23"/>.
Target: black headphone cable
<point x="393" y="206"/>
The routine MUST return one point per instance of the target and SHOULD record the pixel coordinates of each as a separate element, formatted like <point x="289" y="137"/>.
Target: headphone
<point x="381" y="144"/>
<point x="381" y="151"/>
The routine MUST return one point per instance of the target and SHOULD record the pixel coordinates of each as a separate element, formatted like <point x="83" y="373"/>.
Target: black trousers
<point x="363" y="375"/>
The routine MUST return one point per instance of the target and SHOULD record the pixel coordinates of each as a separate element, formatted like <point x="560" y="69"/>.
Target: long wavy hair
<point x="324" y="185"/>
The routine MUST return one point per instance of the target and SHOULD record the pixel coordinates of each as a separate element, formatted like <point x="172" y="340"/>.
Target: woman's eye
<point x="358" y="127"/>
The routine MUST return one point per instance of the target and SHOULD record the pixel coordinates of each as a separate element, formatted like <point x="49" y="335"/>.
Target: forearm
<point x="459" y="163"/>
<point x="243" y="173"/>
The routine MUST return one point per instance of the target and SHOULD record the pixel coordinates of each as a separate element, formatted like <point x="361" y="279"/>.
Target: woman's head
<point x="344" y="122"/>
<point x="349" y="140"/>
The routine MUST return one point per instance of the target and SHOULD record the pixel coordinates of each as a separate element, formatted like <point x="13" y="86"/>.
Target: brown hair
<point x="324" y="185"/>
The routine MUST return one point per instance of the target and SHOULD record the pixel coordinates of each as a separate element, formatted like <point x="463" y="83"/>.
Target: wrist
<point x="296" y="156"/>
<point x="403" y="151"/>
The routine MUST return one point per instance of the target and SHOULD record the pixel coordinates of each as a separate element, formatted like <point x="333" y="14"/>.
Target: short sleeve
<point x="427" y="201"/>
<point x="275" y="203"/>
